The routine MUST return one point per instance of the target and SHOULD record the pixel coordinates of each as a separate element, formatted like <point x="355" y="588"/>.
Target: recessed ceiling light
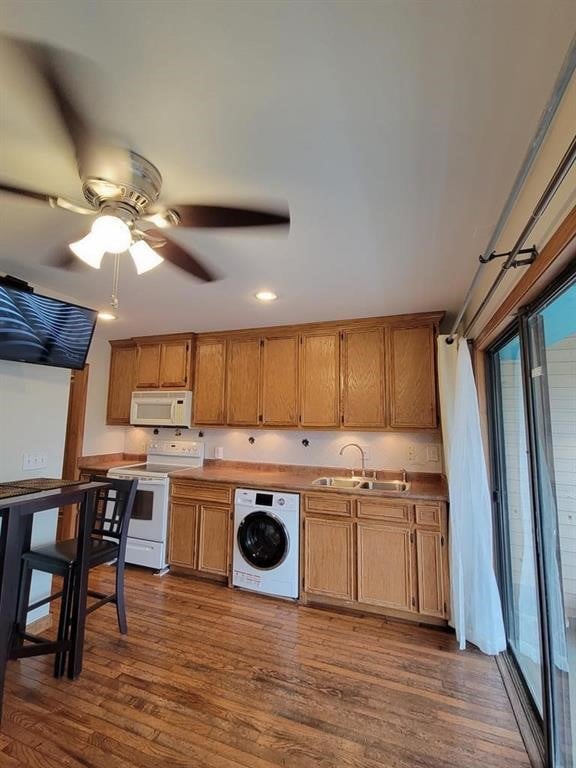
<point x="266" y="296"/>
<point x="106" y="316"/>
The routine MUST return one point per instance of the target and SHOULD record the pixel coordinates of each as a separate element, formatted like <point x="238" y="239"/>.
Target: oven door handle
<point x="141" y="480"/>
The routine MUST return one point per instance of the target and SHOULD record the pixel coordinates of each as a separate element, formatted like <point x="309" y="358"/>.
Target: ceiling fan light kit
<point x="145" y="258"/>
<point x="89" y="250"/>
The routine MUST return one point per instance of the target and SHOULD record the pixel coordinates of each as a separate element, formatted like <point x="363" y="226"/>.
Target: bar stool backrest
<point x="113" y="508"/>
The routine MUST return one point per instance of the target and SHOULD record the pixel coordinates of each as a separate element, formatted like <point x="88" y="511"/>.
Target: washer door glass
<point x="263" y="540"/>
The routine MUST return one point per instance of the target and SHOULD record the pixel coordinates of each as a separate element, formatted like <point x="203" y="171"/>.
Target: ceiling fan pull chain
<point x="115" y="281"/>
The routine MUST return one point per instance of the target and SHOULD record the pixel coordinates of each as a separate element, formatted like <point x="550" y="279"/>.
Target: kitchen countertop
<point x="282" y="477"/>
<point x="105" y="461"/>
<point x="291" y="477"/>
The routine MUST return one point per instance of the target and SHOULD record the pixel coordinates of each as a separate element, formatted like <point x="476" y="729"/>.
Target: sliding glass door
<point x="552" y="361"/>
<point x="518" y="562"/>
<point x="533" y="398"/>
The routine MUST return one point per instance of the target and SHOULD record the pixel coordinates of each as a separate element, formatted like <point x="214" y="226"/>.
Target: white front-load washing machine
<point x="266" y="542"/>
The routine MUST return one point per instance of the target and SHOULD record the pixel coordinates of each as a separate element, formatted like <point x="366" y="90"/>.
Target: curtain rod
<point x="560" y="86"/>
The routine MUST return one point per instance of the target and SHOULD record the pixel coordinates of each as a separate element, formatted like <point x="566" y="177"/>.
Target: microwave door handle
<point x="173" y="412"/>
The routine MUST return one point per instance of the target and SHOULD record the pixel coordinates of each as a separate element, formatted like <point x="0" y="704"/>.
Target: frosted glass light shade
<point x="145" y="258"/>
<point x="112" y="233"/>
<point x="88" y="250"/>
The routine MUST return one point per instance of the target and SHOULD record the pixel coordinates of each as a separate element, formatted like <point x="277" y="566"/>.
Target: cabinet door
<point x="148" y="366"/>
<point x="243" y="378"/>
<point x="213" y="542"/>
<point x="182" y="543"/>
<point x="431" y="576"/>
<point x="412" y="373"/>
<point x="210" y="379"/>
<point x="175" y="364"/>
<point x="120" y="384"/>
<point x="328" y="558"/>
<point x="280" y="381"/>
<point x="385" y="566"/>
<point x="363" y="378"/>
<point x="320" y="380"/>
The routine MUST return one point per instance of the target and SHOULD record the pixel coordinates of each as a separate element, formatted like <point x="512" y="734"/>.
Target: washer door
<point x="263" y="540"/>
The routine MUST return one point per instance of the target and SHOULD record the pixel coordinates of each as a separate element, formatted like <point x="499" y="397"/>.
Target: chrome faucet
<point x="355" y="445"/>
<point x="404" y="476"/>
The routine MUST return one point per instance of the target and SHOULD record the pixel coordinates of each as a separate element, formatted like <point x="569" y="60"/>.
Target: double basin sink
<point x="361" y="483"/>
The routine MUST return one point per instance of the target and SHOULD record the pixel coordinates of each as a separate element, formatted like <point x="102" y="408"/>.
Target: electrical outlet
<point x="412" y="452"/>
<point x="32" y="461"/>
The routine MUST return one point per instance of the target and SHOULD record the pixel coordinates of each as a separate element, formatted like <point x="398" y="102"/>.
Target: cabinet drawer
<point x="201" y="491"/>
<point x="392" y="511"/>
<point x="428" y="515"/>
<point x="328" y="504"/>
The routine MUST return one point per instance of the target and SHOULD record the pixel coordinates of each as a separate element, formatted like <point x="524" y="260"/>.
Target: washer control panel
<point x="246" y="497"/>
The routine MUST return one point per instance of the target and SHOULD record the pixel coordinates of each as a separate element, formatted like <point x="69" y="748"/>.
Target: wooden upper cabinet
<point x="363" y="390"/>
<point x="320" y="379"/>
<point x="385" y="566"/>
<point x="412" y="378"/>
<point x="120" y="383"/>
<point x="279" y="372"/>
<point x="329" y="558"/>
<point x="243" y="378"/>
<point x="210" y="381"/>
<point x="148" y="366"/>
<point x="175" y="364"/>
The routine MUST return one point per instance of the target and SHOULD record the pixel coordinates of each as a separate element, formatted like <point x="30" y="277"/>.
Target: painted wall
<point x="33" y="411"/>
<point x="383" y="450"/>
<point x="99" y="438"/>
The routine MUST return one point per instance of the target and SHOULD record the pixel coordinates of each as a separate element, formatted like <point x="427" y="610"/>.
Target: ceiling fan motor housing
<point x="134" y="183"/>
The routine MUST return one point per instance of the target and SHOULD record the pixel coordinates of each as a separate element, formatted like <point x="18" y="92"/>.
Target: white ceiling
<point x="392" y="128"/>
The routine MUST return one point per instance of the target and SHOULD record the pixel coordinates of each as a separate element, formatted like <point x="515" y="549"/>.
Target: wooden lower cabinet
<point x="431" y="559"/>
<point x="213" y="537"/>
<point x="378" y="555"/>
<point x="199" y="541"/>
<point x="385" y="566"/>
<point x="329" y="558"/>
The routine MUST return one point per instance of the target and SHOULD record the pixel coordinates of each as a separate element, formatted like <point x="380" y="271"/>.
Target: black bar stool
<point x="107" y="544"/>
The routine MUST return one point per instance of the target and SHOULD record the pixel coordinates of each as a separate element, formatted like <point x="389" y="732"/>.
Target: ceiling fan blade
<point x="50" y="65"/>
<point x="21" y="192"/>
<point x="219" y="216"/>
<point x="178" y="255"/>
<point x="63" y="258"/>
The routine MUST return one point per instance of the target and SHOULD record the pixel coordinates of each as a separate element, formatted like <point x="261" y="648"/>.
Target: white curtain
<point x="476" y="607"/>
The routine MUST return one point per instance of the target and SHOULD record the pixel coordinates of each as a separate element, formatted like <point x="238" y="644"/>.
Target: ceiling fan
<point x="121" y="188"/>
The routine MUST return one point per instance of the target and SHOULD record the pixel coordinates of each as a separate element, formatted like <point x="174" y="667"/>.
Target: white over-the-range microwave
<point x="155" y="408"/>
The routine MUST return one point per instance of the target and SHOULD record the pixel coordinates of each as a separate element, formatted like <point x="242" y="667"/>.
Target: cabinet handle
<point x="445" y="608"/>
<point x="411" y="538"/>
<point x="413" y="601"/>
<point x="441" y="541"/>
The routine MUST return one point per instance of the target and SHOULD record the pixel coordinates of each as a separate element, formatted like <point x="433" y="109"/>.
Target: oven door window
<point x="143" y="505"/>
<point x="263" y="540"/>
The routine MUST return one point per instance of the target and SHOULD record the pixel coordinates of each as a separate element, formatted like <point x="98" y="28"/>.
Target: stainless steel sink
<point x="339" y="482"/>
<point x="384" y="485"/>
<point x="361" y="483"/>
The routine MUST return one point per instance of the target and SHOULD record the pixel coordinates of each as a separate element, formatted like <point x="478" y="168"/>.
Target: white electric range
<point x="147" y="534"/>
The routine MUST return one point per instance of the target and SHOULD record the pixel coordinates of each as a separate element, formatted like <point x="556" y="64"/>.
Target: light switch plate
<point x="433" y="453"/>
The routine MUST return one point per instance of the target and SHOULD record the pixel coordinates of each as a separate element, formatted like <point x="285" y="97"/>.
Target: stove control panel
<point x="188" y="449"/>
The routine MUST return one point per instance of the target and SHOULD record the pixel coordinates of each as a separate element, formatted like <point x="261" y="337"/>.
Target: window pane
<point x="553" y="377"/>
<point x="521" y="601"/>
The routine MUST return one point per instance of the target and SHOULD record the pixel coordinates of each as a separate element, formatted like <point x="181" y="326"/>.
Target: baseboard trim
<point x="40" y="625"/>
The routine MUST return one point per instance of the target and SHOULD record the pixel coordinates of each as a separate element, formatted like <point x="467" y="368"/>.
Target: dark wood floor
<point x="215" y="678"/>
